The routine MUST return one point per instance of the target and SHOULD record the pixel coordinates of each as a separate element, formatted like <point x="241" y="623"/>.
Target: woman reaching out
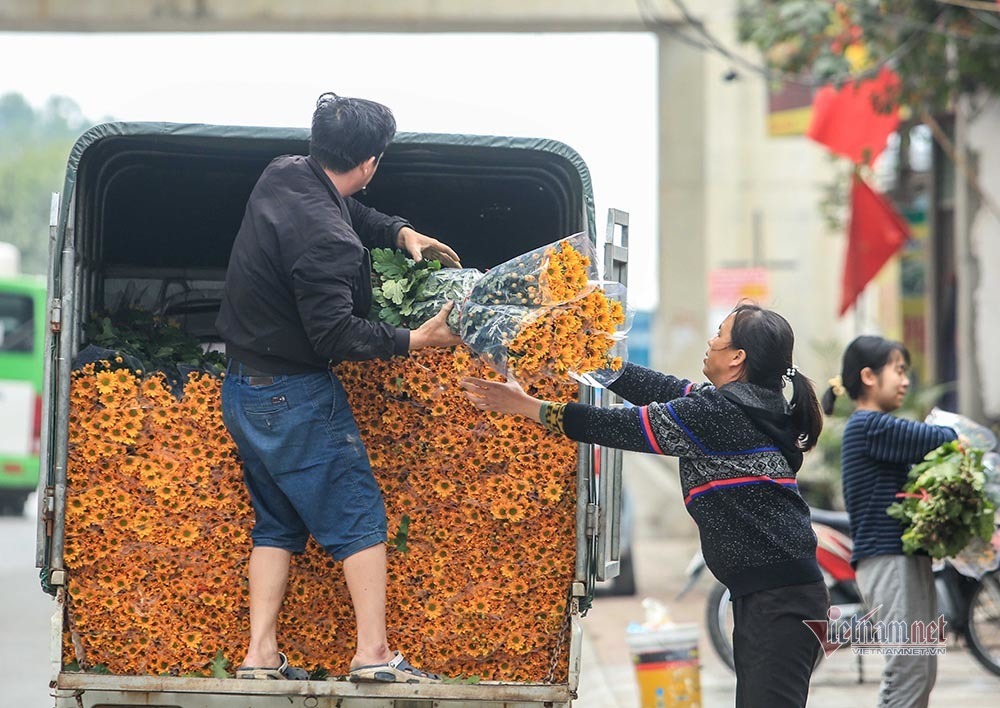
<point x="740" y="444"/>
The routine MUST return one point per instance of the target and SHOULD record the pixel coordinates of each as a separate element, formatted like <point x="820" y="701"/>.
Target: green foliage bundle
<point x="407" y="294"/>
<point x="944" y="503"/>
<point x="396" y="285"/>
<point x="158" y="343"/>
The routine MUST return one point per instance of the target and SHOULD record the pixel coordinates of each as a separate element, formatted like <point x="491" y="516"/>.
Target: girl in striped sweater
<point x="877" y="451"/>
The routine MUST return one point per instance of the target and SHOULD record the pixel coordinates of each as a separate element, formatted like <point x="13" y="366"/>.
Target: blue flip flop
<point x="396" y="670"/>
<point x="281" y="673"/>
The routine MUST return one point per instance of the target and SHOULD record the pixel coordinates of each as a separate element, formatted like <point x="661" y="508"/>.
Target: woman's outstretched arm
<point x="641" y="386"/>
<point x="650" y="428"/>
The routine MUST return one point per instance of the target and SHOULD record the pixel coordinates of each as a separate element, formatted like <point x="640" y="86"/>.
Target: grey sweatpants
<point x="904" y="587"/>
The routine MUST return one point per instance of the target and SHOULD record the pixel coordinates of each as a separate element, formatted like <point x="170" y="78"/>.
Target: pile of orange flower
<point x="157" y="523"/>
<point x="481" y="514"/>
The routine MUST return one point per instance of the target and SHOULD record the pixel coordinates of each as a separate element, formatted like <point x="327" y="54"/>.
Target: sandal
<point x="282" y="673"/>
<point x="396" y="670"/>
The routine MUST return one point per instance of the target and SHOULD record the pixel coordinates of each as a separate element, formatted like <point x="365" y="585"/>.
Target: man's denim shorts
<point x="304" y="463"/>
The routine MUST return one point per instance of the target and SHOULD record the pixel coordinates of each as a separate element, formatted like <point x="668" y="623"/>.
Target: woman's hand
<point x="435" y="332"/>
<point x="501" y="397"/>
<point x="420" y="247"/>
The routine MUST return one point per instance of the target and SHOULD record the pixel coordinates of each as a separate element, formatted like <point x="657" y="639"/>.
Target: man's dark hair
<point x="348" y="131"/>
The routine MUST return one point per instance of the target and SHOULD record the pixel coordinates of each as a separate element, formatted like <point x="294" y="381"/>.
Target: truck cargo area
<point x="148" y="218"/>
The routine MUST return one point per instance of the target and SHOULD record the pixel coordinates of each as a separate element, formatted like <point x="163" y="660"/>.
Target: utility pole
<point x="970" y="402"/>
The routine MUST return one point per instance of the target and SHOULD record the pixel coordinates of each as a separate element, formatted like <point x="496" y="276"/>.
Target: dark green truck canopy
<point x="171" y="196"/>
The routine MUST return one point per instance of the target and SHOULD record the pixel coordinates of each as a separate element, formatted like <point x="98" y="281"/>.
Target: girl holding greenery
<point x="877" y="452"/>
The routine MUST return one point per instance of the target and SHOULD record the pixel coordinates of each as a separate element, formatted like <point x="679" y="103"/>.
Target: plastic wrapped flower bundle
<point x="481" y="514"/>
<point x="541" y="314"/>
<point x="944" y="505"/>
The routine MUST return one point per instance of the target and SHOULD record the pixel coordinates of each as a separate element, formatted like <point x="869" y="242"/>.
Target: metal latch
<point x="593" y="515"/>
<point x="55" y="320"/>
<point x="48" y="509"/>
<point x="616" y="256"/>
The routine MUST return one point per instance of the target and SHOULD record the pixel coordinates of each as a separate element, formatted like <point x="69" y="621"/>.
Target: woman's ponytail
<point x="806" y="415"/>
<point x="835" y="389"/>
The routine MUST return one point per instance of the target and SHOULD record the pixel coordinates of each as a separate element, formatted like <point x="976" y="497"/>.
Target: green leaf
<point x="404" y="531"/>
<point x="319" y="674"/>
<point x="219" y="665"/>
<point x="393" y="291"/>
<point x="390" y="316"/>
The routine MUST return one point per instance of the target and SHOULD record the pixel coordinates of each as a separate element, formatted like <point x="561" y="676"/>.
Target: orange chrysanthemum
<point x="165" y="496"/>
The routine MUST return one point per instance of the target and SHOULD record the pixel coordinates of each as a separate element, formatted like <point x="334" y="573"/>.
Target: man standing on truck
<point x="297" y="293"/>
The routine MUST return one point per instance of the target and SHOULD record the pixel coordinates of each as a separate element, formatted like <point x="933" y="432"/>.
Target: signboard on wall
<point x="913" y="286"/>
<point x="789" y="109"/>
<point x="728" y="286"/>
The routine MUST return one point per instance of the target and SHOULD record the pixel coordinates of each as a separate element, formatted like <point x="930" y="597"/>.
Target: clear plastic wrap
<point x="489" y="330"/>
<point x="541" y="314"/>
<point x="617" y="351"/>
<point x="979" y="436"/>
<point x="991" y="468"/>
<point x="978" y="558"/>
<point x="442" y="286"/>
<point x="605" y="376"/>
<point x="550" y="275"/>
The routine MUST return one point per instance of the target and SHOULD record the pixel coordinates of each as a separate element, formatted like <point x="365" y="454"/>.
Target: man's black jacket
<point x="298" y="286"/>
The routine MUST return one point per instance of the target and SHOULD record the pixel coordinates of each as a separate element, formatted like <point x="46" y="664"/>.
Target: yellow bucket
<point x="667" y="667"/>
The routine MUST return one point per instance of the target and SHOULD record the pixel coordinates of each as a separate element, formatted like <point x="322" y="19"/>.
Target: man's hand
<point x="435" y="332"/>
<point x="420" y="247"/>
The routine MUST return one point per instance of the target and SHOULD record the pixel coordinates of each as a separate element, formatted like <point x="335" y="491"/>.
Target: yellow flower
<point x="433" y="609"/>
<point x="106" y="383"/>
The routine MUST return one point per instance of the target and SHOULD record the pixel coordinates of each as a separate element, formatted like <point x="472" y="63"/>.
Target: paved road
<point x="25" y="613"/>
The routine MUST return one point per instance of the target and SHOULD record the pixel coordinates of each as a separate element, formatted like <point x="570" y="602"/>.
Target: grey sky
<point x="595" y="92"/>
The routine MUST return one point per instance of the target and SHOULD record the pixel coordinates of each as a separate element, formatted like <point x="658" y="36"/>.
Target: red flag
<point x="876" y="231"/>
<point x="846" y="120"/>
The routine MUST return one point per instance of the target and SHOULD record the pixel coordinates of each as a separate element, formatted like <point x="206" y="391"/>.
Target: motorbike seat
<point x="839" y="520"/>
